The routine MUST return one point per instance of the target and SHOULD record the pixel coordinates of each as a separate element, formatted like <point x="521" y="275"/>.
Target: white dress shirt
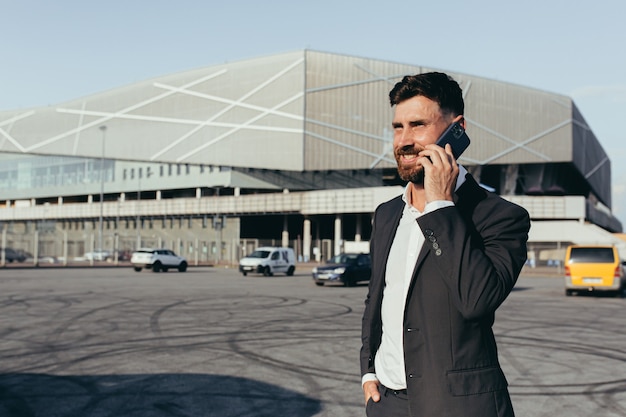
<point x="406" y="246"/>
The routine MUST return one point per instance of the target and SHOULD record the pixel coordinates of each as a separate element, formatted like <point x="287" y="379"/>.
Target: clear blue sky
<point x="57" y="51"/>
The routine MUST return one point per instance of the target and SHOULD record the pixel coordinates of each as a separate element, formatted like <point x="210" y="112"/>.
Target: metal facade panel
<point x="510" y="124"/>
<point x="348" y="116"/>
<point x="252" y="114"/>
<point x="248" y="113"/>
<point x="590" y="158"/>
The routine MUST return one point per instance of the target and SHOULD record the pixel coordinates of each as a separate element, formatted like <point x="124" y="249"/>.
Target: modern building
<point x="291" y="149"/>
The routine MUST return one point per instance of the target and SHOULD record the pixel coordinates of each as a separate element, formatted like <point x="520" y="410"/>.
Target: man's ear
<point x="460" y="119"/>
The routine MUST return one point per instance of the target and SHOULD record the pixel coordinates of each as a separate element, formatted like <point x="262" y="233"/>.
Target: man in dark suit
<point x="445" y="255"/>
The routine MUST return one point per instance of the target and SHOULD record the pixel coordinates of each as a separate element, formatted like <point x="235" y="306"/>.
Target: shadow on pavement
<point x="27" y="395"/>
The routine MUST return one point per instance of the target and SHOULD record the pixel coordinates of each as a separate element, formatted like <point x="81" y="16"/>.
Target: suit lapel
<point x="387" y="224"/>
<point x="391" y="223"/>
<point x="465" y="198"/>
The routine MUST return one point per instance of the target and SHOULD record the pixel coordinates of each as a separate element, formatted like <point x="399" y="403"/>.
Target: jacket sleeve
<point x="479" y="252"/>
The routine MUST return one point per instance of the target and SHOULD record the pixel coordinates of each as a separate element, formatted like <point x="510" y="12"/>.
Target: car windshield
<point x="343" y="259"/>
<point x="259" y="254"/>
<point x="591" y="255"/>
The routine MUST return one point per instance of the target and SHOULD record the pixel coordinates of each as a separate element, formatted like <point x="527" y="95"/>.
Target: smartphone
<point x="457" y="138"/>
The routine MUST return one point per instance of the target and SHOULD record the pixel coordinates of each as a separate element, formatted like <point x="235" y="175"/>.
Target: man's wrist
<point x="368" y="377"/>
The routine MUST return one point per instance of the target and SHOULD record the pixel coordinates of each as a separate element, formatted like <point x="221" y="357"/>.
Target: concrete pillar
<point x="65" y="252"/>
<point x="357" y="236"/>
<point x="198" y="192"/>
<point x="36" y="249"/>
<point x="337" y="237"/>
<point x="158" y="194"/>
<point x="3" y="255"/>
<point x="306" y="240"/>
<point x="60" y="201"/>
<point x="285" y="235"/>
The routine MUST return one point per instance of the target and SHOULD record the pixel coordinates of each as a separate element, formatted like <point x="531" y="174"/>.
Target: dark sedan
<point x="347" y="268"/>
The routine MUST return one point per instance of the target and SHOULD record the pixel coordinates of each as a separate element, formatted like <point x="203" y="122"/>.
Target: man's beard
<point x="414" y="174"/>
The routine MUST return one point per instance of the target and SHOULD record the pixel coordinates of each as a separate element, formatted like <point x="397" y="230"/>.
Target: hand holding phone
<point x="457" y="138"/>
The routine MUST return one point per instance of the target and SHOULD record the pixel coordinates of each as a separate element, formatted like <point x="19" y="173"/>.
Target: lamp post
<point x="103" y="129"/>
<point x="138" y="223"/>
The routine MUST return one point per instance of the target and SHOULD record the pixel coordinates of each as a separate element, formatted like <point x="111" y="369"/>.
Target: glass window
<point x="591" y="255"/>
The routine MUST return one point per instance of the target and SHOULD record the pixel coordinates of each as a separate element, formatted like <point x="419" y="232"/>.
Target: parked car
<point x="157" y="260"/>
<point x="124" y="255"/>
<point x="98" y="255"/>
<point x="345" y="268"/>
<point x="269" y="260"/>
<point x="11" y="255"/>
<point x="594" y="268"/>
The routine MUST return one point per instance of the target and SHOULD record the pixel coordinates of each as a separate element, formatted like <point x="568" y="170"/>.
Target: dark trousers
<point x="392" y="404"/>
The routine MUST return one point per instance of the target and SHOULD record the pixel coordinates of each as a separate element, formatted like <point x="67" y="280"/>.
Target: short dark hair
<point x="435" y="86"/>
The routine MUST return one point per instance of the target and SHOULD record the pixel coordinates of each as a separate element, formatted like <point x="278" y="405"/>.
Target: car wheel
<point x="568" y="292"/>
<point x="291" y="270"/>
<point x="164" y="269"/>
<point x="267" y="271"/>
<point x="156" y="267"/>
<point x="182" y="267"/>
<point x="137" y="268"/>
<point x="244" y="273"/>
<point x="319" y="284"/>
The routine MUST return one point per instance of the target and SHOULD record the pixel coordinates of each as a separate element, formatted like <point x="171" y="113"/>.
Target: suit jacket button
<point x="438" y="252"/>
<point x="428" y="232"/>
<point x="435" y="245"/>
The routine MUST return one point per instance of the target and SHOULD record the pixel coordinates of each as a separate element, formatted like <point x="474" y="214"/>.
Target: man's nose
<point x="404" y="138"/>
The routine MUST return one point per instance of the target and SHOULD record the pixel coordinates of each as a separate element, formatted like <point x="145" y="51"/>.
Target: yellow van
<point x="593" y="268"/>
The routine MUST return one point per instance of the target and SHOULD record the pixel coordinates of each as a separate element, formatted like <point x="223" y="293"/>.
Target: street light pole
<point x="103" y="129"/>
<point x="138" y="227"/>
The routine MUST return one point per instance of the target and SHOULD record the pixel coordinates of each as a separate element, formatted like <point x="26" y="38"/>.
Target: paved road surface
<point x="210" y="342"/>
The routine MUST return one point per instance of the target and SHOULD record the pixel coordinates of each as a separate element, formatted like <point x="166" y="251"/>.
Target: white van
<point x="268" y="261"/>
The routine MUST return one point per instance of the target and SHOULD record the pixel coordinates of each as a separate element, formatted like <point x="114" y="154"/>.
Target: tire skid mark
<point x="595" y="348"/>
<point x="291" y="334"/>
<point x="155" y="317"/>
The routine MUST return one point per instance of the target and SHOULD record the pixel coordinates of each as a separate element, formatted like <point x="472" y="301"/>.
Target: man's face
<point x="417" y="122"/>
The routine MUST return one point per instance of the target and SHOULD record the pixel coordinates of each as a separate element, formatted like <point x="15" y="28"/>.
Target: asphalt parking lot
<point x="209" y="342"/>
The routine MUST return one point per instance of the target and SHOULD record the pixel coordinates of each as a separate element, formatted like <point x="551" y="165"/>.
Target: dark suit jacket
<point x="472" y="256"/>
